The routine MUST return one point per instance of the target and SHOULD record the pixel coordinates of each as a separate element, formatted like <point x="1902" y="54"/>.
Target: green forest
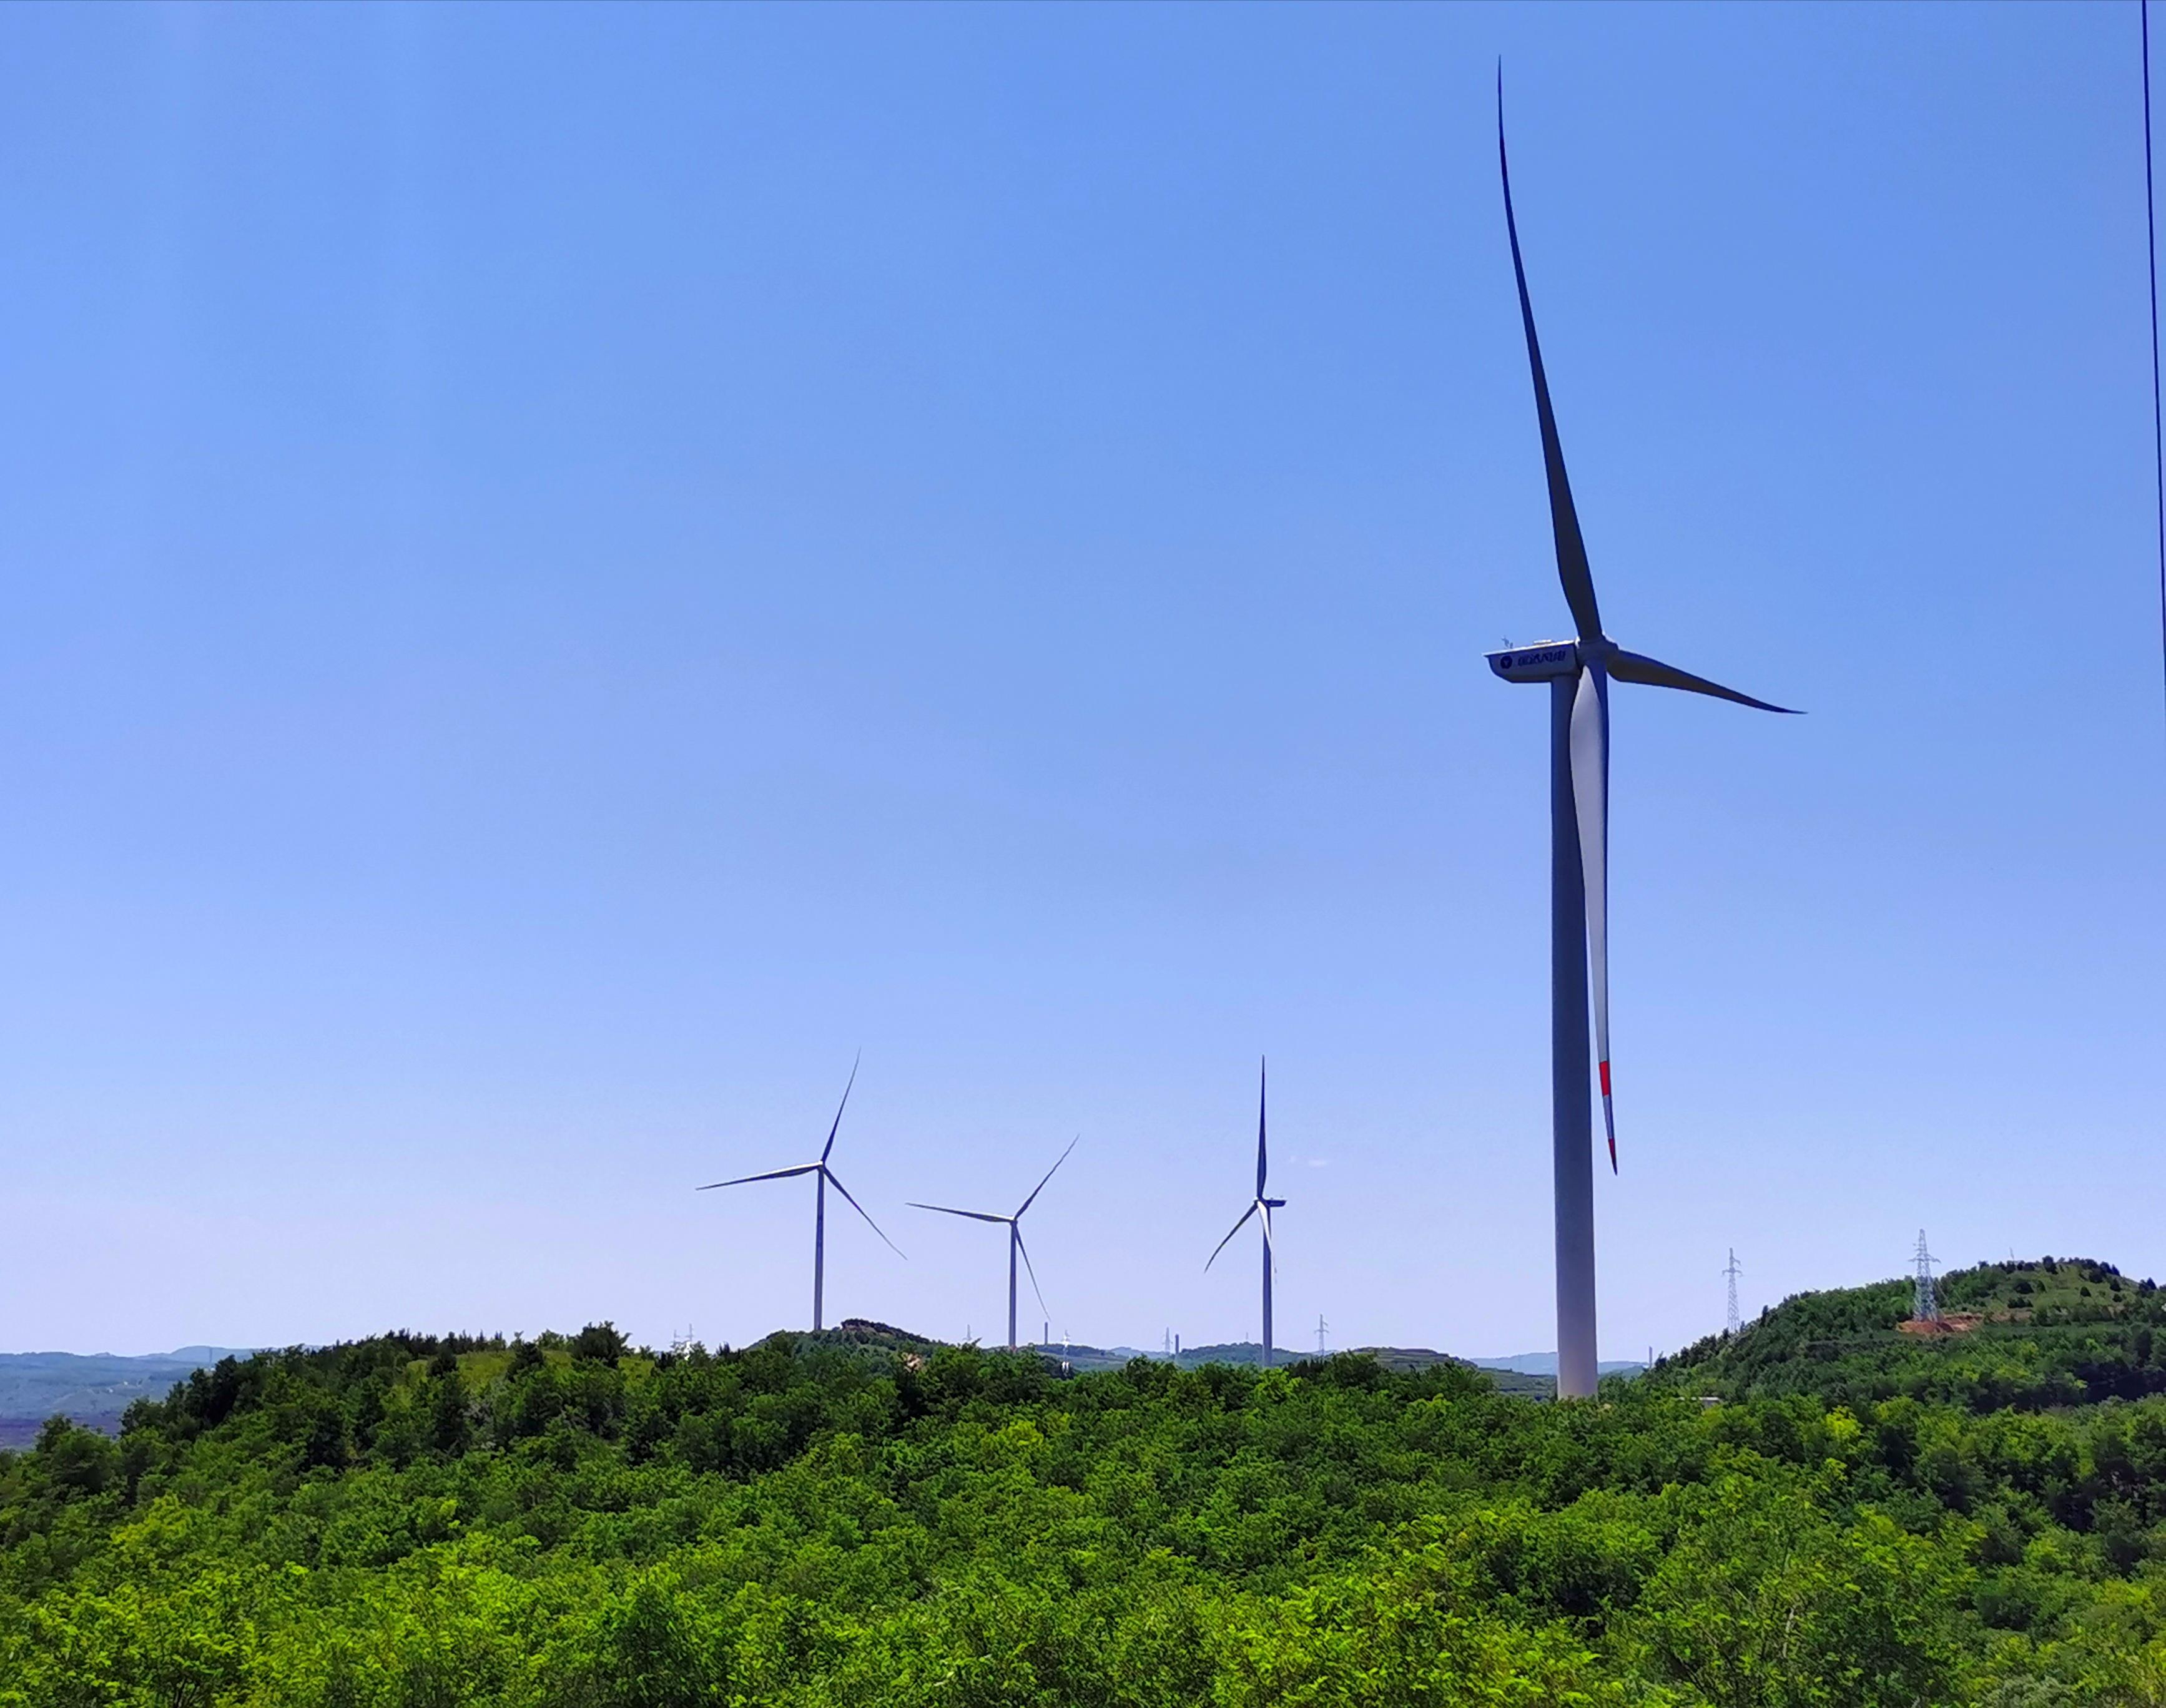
<point x="1819" y="1509"/>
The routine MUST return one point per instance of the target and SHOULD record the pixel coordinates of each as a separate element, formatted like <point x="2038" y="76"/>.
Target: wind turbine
<point x="826" y="1178"/>
<point x="1259" y="1205"/>
<point x="1016" y="1246"/>
<point x="1579" y="673"/>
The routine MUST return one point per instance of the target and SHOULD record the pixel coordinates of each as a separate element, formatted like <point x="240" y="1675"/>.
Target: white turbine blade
<point x="860" y="1209"/>
<point x="1652" y="672"/>
<point x="1270" y="1250"/>
<point x="1049" y="1173"/>
<point x="1230" y="1232"/>
<point x="1263" y="1087"/>
<point x="771" y="1174"/>
<point x="1032" y="1273"/>
<point x="974" y="1215"/>
<point x="1590" y="794"/>
<point x="829" y="1147"/>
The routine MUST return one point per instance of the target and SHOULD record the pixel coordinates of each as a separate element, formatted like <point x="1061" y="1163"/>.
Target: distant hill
<point x="90" y="1389"/>
<point x="2028" y="1334"/>
<point x="1409" y="1360"/>
<point x="1082" y="1360"/>
<point x="1234" y="1352"/>
<point x="879" y="1338"/>
<point x="1545" y="1364"/>
<point x="857" y="1331"/>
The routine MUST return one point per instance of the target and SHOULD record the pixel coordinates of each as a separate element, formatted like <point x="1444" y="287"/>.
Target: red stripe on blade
<point x="1605" y="1080"/>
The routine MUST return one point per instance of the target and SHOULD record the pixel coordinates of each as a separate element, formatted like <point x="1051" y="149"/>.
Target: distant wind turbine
<point x="1578" y="673"/>
<point x="826" y="1178"/>
<point x="1013" y="1224"/>
<point x="1259" y="1205"/>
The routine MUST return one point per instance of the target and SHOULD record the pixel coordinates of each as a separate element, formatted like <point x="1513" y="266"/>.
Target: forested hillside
<point x="2055" y="1333"/>
<point x="863" y="1519"/>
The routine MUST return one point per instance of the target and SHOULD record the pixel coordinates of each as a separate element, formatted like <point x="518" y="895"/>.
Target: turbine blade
<point x="1032" y="1273"/>
<point x="829" y="1147"/>
<point x="1230" y="1232"/>
<point x="771" y="1174"/>
<point x="1270" y="1250"/>
<point x="1263" y="1086"/>
<point x="1049" y="1173"/>
<point x="1634" y="667"/>
<point x="860" y="1209"/>
<point x="1564" y="520"/>
<point x="974" y="1215"/>
<point x="1590" y="794"/>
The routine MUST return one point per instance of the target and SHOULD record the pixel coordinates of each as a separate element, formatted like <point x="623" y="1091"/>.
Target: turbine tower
<point x="826" y="1177"/>
<point x="1733" y="1271"/>
<point x="1578" y="673"/>
<point x="1258" y="1205"/>
<point x="1016" y="1246"/>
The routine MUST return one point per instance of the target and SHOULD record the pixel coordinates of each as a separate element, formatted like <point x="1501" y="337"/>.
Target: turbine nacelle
<point x="1561" y="661"/>
<point x="1546" y="660"/>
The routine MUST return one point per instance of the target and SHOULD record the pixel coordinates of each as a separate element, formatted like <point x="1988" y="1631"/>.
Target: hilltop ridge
<point x="2048" y="1331"/>
<point x="1527" y="1375"/>
<point x="2037" y="1332"/>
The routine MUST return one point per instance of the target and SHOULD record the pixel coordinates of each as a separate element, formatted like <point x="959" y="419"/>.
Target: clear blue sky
<point x="566" y="568"/>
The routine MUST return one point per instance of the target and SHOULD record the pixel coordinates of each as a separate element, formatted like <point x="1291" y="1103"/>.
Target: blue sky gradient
<point x="567" y="568"/>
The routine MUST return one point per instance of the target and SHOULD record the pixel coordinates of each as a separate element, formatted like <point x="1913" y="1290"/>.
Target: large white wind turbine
<point x="825" y="1178"/>
<point x="1259" y="1205"/>
<point x="1579" y="672"/>
<point x="1016" y="1246"/>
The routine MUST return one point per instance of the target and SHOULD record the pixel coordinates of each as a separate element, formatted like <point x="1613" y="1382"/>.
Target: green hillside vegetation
<point x="1412" y="1360"/>
<point x="2055" y="1333"/>
<point x="865" y="1518"/>
<point x="1400" y="1360"/>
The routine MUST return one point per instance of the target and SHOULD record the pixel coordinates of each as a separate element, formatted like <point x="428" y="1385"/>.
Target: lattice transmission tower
<point x="1925" y="1306"/>
<point x="1733" y="1271"/>
<point x="1321" y="1325"/>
